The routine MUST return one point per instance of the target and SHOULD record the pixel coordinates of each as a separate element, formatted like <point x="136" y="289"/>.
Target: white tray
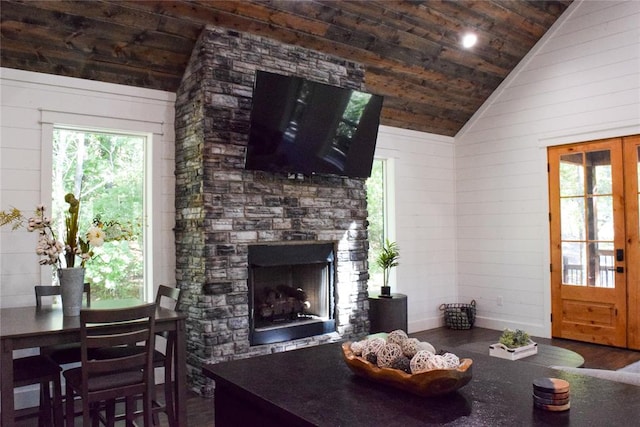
<point x="504" y="352"/>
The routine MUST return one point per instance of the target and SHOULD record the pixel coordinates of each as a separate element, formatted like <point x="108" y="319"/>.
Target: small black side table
<point x="388" y="314"/>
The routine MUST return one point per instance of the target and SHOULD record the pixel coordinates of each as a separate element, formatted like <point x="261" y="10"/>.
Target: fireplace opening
<point x="291" y="291"/>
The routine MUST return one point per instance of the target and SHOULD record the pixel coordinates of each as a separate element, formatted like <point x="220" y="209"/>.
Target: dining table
<point x="32" y="327"/>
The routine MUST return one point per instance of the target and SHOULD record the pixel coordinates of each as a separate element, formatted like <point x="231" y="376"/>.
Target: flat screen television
<point x="304" y="127"/>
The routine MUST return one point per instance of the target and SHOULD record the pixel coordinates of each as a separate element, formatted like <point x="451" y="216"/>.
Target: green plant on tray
<point x="513" y="339"/>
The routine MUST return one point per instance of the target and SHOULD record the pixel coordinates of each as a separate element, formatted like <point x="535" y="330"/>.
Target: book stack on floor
<point x="551" y="394"/>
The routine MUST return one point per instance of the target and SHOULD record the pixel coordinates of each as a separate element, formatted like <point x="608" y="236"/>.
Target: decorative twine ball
<point x="397" y="337"/>
<point x="373" y="345"/>
<point x="451" y="361"/>
<point x="388" y="354"/>
<point x="420" y="362"/>
<point x="357" y="347"/>
<point x="436" y="362"/>
<point x="402" y="363"/>
<point x="426" y="346"/>
<point x="410" y="347"/>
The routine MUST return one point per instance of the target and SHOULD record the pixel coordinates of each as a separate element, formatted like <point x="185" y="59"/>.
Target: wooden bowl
<point x="430" y="383"/>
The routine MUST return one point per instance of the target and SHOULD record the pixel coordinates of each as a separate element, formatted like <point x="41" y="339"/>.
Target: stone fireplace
<point x="291" y="291"/>
<point x="224" y="213"/>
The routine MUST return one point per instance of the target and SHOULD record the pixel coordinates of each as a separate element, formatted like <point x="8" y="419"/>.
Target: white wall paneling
<point x="31" y="104"/>
<point x="581" y="82"/>
<point x="424" y="211"/>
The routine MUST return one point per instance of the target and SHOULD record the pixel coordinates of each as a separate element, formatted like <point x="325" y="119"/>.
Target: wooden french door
<point x="595" y="258"/>
<point x="632" y="207"/>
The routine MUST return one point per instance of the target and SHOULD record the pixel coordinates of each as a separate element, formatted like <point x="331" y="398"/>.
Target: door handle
<point x="619" y="269"/>
<point x="619" y="255"/>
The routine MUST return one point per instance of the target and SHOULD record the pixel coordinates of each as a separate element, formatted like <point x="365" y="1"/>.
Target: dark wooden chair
<point x="113" y="375"/>
<point x="170" y="298"/>
<point x="64" y="353"/>
<point x="41" y="370"/>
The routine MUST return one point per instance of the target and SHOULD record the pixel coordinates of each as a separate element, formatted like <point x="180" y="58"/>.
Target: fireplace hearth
<point x="291" y="291"/>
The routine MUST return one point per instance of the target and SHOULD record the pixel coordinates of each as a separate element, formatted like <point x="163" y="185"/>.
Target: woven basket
<point x="459" y="316"/>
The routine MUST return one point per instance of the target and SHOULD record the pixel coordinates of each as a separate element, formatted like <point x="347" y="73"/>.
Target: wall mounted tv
<point x="303" y="127"/>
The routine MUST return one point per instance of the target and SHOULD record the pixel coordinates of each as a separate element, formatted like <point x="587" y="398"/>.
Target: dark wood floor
<point x="200" y="410"/>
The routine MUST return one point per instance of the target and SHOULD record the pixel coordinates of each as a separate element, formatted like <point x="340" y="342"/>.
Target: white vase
<point x="71" y="290"/>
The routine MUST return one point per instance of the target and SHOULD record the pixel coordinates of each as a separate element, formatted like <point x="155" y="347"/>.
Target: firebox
<point x="291" y="291"/>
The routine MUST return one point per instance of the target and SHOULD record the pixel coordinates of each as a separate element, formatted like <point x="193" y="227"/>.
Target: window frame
<point x="388" y="206"/>
<point x="152" y="132"/>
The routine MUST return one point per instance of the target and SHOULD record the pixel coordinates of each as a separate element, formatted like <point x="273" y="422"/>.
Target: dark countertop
<point x="314" y="386"/>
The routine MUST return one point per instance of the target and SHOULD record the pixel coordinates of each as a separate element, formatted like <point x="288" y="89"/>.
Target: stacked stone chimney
<point x="221" y="208"/>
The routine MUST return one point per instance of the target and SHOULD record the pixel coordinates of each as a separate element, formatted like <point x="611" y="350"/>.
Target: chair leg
<point x="155" y="418"/>
<point x="130" y="409"/>
<point x="87" y="414"/>
<point x="110" y="413"/>
<point x="69" y="409"/>
<point x="168" y="397"/>
<point x="147" y="408"/>
<point x="58" y="420"/>
<point x="44" y="414"/>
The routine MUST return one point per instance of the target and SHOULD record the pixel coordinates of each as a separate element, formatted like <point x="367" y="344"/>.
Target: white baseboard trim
<point x="425" y="324"/>
<point x="501" y="324"/>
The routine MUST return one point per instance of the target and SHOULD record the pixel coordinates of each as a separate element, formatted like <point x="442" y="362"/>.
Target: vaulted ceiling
<point x="411" y="49"/>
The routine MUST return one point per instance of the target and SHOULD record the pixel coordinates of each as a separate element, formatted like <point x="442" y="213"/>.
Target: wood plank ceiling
<point x="411" y="49"/>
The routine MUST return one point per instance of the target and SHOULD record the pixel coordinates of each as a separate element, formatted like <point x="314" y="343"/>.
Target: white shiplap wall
<point x="422" y="220"/>
<point x="27" y="98"/>
<point x="470" y="217"/>
<point x="581" y="82"/>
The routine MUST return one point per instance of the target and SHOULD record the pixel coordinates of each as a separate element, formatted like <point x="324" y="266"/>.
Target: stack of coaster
<point x="551" y="394"/>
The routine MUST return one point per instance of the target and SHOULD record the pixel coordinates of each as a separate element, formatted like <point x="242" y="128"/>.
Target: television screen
<point x="300" y="126"/>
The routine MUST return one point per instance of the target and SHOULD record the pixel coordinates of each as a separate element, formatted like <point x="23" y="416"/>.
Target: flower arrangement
<point x="50" y="248"/>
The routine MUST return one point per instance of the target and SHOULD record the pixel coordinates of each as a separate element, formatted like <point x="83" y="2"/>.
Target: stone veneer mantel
<point x="221" y="208"/>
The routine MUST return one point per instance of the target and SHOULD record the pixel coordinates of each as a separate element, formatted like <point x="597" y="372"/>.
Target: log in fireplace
<point x="291" y="291"/>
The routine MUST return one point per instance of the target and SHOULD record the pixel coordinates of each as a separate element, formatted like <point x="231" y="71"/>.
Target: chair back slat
<point x="50" y="291"/>
<point x="169" y="297"/>
<point x="125" y="363"/>
<point x="115" y="340"/>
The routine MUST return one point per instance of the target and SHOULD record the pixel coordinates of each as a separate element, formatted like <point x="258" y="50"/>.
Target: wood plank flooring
<point x="200" y="410"/>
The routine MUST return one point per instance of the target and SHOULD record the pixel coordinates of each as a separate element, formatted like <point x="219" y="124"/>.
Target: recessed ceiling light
<point x="469" y="40"/>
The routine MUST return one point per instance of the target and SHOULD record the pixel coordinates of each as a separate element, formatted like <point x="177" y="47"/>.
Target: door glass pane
<point x="571" y="175"/>
<point x="638" y="169"/>
<point x="586" y="208"/>
<point x="604" y="265"/>
<point x="572" y="225"/>
<point x="603" y="218"/>
<point x="598" y="172"/>
<point x="574" y="269"/>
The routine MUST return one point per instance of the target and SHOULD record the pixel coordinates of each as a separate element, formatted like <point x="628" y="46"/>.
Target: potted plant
<point x="388" y="259"/>
<point x="513" y="345"/>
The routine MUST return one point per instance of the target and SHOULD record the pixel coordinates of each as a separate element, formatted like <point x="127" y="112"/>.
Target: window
<point x="105" y="171"/>
<point x="377" y="201"/>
